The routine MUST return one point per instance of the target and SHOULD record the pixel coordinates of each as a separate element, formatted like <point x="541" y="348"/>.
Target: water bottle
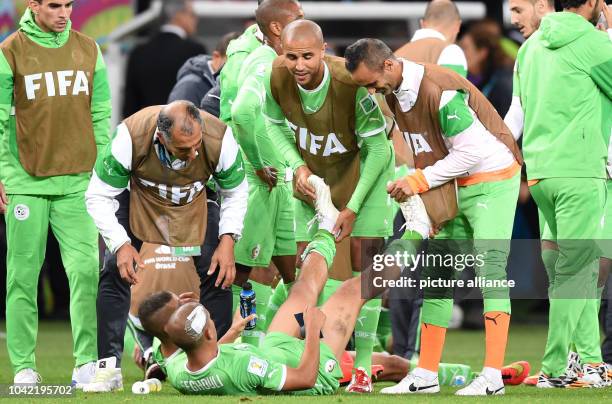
<point x="146" y="386"/>
<point x="248" y="305"/>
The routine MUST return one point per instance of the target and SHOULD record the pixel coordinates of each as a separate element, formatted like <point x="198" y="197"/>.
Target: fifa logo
<point x="61" y="83"/>
<point x="418" y="142"/>
<point x="177" y="195"/>
<point x="313" y="144"/>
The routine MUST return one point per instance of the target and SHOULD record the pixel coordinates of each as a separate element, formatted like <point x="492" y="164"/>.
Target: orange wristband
<point x="417" y="181"/>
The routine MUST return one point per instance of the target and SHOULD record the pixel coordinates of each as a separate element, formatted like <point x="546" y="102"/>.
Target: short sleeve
<point x="369" y="119"/>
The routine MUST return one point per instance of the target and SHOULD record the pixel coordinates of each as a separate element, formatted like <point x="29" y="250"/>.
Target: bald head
<point x="441" y="12"/>
<point x="443" y="16"/>
<point x="187" y="326"/>
<point x="273" y="15"/>
<point x="303" y="31"/>
<point x="181" y="114"/>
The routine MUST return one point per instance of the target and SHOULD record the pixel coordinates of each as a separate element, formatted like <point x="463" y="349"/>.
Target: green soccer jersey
<point x="163" y="362"/>
<point x="249" y="123"/>
<point x="238" y="369"/>
<point x="369" y="126"/>
<point x="237" y="52"/>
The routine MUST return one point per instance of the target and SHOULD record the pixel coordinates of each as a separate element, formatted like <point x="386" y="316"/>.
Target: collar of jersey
<point x="46" y="39"/>
<point x="408" y="91"/>
<point x="312" y="100"/>
<point x="165" y="157"/>
<point x="424" y="33"/>
<point x="206" y="367"/>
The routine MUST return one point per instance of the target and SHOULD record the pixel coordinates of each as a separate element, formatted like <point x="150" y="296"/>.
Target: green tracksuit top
<point x="15" y="179"/>
<point x="563" y="78"/>
<point x="237" y="52"/>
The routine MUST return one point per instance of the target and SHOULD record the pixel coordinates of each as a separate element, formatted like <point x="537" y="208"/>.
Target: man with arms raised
<point x="340" y="136"/>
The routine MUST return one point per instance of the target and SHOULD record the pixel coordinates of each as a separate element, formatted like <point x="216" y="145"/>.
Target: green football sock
<point x="365" y="333"/>
<point x="323" y="243"/>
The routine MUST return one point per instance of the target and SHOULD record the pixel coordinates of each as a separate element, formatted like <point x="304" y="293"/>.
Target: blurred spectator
<point x="488" y="66"/>
<point x="152" y="66"/>
<point x="199" y="74"/>
<point x="435" y="41"/>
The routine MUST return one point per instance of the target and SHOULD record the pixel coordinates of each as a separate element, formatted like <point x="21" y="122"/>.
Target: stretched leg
<point x="362" y="254"/>
<point x="305" y="291"/>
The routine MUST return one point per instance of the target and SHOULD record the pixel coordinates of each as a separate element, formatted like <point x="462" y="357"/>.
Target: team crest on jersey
<point x="22" y="212"/>
<point x="367" y="104"/>
<point x="255" y="251"/>
<point x="257" y="366"/>
<point x="330" y="365"/>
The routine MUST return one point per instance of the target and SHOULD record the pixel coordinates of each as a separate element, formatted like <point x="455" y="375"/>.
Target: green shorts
<point x="282" y="348"/>
<point x="268" y="226"/>
<point x="375" y="218"/>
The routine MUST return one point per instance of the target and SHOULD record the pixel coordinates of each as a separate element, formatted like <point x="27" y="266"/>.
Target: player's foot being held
<point x="360" y="383"/>
<point x="108" y="378"/>
<point x="83" y="375"/>
<point x="27" y="376"/>
<point x="515" y="373"/>
<point x="416" y="216"/>
<point x="483" y="386"/>
<point x="327" y="214"/>
<point x="412" y="384"/>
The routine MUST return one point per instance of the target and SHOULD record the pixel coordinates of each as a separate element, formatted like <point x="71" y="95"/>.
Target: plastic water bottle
<point x="248" y="305"/>
<point x="458" y="381"/>
<point x="146" y="386"/>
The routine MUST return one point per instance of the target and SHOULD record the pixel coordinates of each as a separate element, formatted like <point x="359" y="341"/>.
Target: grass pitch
<point x="55" y="363"/>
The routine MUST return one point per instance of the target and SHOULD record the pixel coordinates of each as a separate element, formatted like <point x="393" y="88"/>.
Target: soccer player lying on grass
<point x="155" y="312"/>
<point x="283" y="362"/>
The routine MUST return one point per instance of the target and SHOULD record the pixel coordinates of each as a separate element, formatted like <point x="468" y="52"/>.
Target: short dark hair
<point x="565" y="4"/>
<point x="224" y="42"/>
<point x="370" y="51"/>
<point x="165" y="122"/>
<point x="152" y="305"/>
<point x="272" y="10"/>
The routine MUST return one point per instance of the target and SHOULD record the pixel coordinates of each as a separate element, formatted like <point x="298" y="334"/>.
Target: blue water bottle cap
<point x="247" y="286"/>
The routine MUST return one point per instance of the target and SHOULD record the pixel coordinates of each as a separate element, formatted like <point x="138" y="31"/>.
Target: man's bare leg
<point x="305" y="291"/>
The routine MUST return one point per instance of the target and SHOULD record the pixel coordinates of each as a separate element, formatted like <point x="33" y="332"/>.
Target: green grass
<point x="54" y="360"/>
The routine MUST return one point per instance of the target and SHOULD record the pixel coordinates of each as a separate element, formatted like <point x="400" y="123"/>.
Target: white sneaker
<point x="327" y="214"/>
<point x="416" y="216"/>
<point x="83" y="375"/>
<point x="413" y="384"/>
<point x="27" y="376"/>
<point x="592" y="375"/>
<point x="482" y="386"/>
<point x="107" y="378"/>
